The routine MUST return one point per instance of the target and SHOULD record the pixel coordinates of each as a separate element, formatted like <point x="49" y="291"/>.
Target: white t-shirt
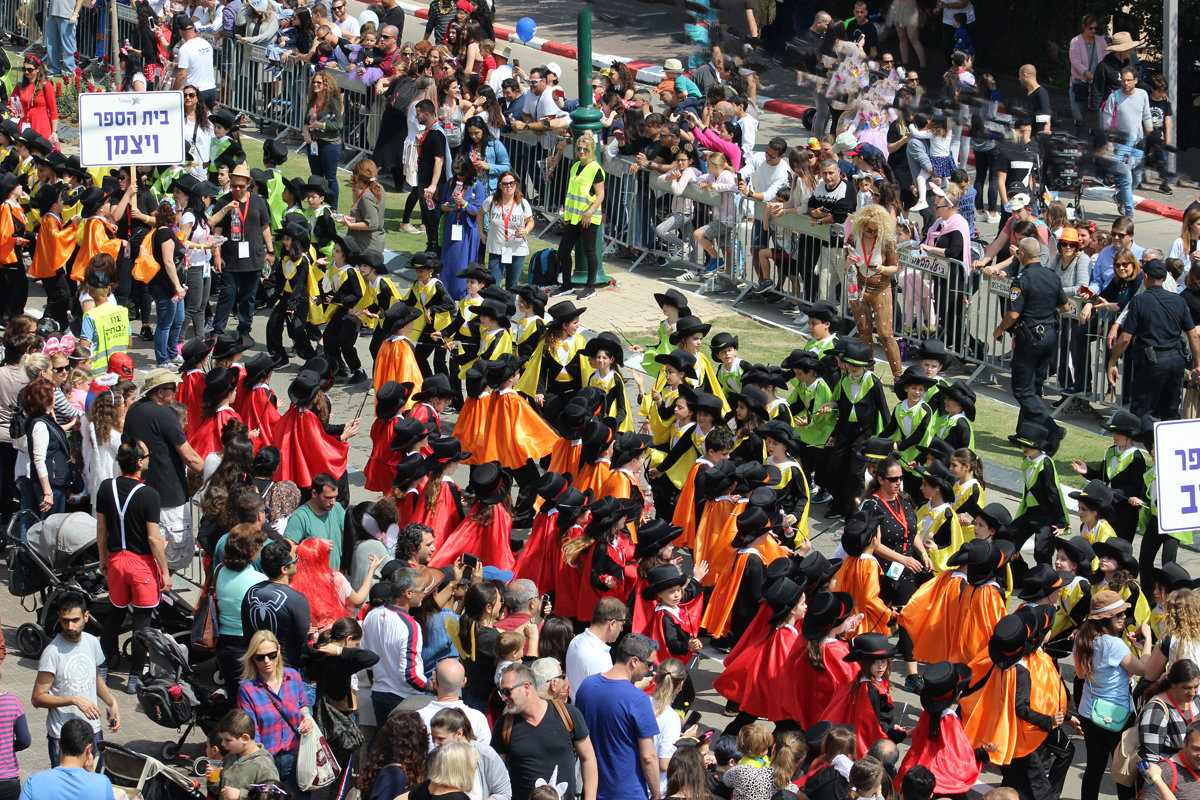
<point x="196" y="56"/>
<point x="349" y="26"/>
<point x="948" y="14"/>
<point x="74" y="667"/>
<point x="670" y="727"/>
<point x="199" y="235"/>
<point x="498" y="76"/>
<point x="586" y="655"/>
<point x="518" y="214"/>
<point x="546" y="107"/>
<point x="479" y="723"/>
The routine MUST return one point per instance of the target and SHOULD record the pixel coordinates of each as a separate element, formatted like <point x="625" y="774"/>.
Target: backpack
<point x="559" y="707"/>
<point x="543" y="267"/>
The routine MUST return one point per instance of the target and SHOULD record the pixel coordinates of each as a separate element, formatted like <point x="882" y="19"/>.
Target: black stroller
<point x="170" y="694"/>
<point x="149" y="778"/>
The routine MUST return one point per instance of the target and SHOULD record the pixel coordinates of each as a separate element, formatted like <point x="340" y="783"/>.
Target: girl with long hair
<point x="440" y="504"/>
<point x="687" y="775"/>
<point x="1178" y="628"/>
<point x="396" y="759"/>
<point x="486" y="152"/>
<point x="102" y="433"/>
<point x="603" y="555"/>
<point x="166" y="288"/>
<point x="461" y="202"/>
<point x="323" y="130"/>
<point x="558" y="367"/>
<point x="866" y="703"/>
<point x="486" y="529"/>
<point x="216" y="411"/>
<point x="488" y="108"/>
<point x="37" y="100"/>
<point x="194" y="197"/>
<point x="1187" y="247"/>
<point x="818" y="660"/>
<point x="329" y="593"/>
<point x="477" y="639"/>
<point x="668" y="681"/>
<point x="197" y="132"/>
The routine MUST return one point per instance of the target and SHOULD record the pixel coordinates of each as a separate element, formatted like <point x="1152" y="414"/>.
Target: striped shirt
<point x="14" y="731"/>
<point x="396" y="637"/>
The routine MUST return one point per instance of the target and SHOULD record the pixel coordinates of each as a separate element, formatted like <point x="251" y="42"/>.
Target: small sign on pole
<point x="131" y="129"/>
<point x="1177" y="484"/>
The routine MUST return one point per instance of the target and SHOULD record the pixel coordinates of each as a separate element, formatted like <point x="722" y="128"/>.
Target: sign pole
<point x="114" y="52"/>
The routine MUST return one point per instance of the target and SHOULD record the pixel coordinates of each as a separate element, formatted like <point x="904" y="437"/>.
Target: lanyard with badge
<point x="506" y="254"/>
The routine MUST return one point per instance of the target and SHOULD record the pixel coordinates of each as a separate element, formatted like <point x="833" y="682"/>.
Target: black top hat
<point x="654" y="536"/>
<point x="782" y="596"/>
<point x="91" y="199"/>
<point x="943" y="682"/>
<point x="476" y="272"/>
<point x="933" y="350"/>
<point x="914" y="375"/>
<point x="1078" y="549"/>
<point x="939" y="475"/>
<point x="860" y="529"/>
<point x="230" y="344"/>
<point x="231" y="157"/>
<point x="45" y="198"/>
<point x="816" y="569"/>
<point x="260" y="178"/>
<point x="1124" y="422"/>
<point x="961" y="392"/>
<point x="534" y="296"/>
<point x="297" y="187"/>
<point x="673" y="297"/>
<point x="10" y="128"/>
<point x="752" y="523"/>
<point x="608" y="511"/>
<point x="973" y="551"/>
<point x="856" y="353"/>
<point x="323" y="367"/>
<point x="869" y="647"/>
<point x="681" y="360"/>
<point x="627" y="447"/>
<point x="203" y="189"/>
<point x="779" y="431"/>
<point x="1040" y="619"/>
<point x="999" y="553"/>
<point x="552" y="485"/>
<point x="698" y="400"/>
<point x="501" y="295"/>
<point x="686" y="326"/>
<point x="489" y="483"/>
<point x="663" y="577"/>
<point x="223" y="117"/>
<point x="1030" y="434"/>
<point x="297" y="231"/>
<point x="35" y="142"/>
<point x="564" y="311"/>
<point x="1041" y="580"/>
<point x="444" y="450"/>
<point x="8" y="182"/>
<point x="877" y="449"/>
<point x="1007" y="645"/>
<point x="570" y="504"/>
<point x="304" y="387"/>
<point x="608" y="342"/>
<point x="495" y="310"/>
<point x="274" y="152"/>
<point x="823" y="311"/>
<point x="783" y="568"/>
<point x="722" y="341"/>
<point x="755" y="400"/>
<point x="425" y="260"/>
<point x="218" y="383"/>
<point x="257" y="367"/>
<point x="54" y="160"/>
<point x="74" y="167"/>
<point x="826" y="610"/>
<point x="406" y="433"/>
<point x="396" y="317"/>
<point x="318" y="184"/>
<point x="754" y="475"/>
<point x="433" y="387"/>
<point x="1119" y="551"/>
<point x="576" y="411"/>
<point x="1097" y="494"/>
<point x="1172" y="577"/>
<point x="501" y="369"/>
<point x="997" y="517"/>
<point x="939" y="448"/>
<point x="411" y="467"/>
<point x="196" y="350"/>
<point x="391" y="397"/>
<point x="717" y="479"/>
<point x="351" y="249"/>
<point x="374" y="260"/>
<point x="801" y="359"/>
<point x="597" y="434"/>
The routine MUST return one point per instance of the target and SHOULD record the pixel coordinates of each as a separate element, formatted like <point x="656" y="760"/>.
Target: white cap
<point x="552" y="66"/>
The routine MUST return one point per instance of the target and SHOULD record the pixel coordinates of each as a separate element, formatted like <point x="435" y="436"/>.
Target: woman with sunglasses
<point x="274" y="695"/>
<point x="950" y="237"/>
<point x="1125" y="283"/>
<point x="38" y="101"/>
<point x="508" y="219"/>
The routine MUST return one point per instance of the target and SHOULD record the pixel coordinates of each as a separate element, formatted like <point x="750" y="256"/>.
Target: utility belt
<point x="1025" y="332"/>
<point x="1151" y="355"/>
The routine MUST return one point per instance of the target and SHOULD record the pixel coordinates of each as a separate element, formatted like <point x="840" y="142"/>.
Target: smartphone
<point x="1142" y="766"/>
<point x="470" y="563"/>
<point x="516" y="62"/>
<point x="692" y="718"/>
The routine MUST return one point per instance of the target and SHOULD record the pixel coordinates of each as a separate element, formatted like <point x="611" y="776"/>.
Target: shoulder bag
<point x="205" y="630"/>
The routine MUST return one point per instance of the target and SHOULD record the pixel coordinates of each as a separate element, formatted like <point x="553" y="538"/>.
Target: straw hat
<point x="1122" y="41"/>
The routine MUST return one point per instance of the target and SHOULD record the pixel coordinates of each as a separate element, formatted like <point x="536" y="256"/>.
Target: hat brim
<point x="500" y="493"/>
<point x="651" y="591"/>
<point x="678" y="336"/>
<point x="665" y="300"/>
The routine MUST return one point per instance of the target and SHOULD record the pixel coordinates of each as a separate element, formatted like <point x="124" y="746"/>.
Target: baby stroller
<point x="141" y="776"/>
<point x="170" y="694"/>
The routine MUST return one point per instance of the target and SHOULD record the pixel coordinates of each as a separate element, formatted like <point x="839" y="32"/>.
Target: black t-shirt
<point x="1038" y="103"/>
<point x="251" y="216"/>
<point x="898" y="160"/>
<point x="142" y="508"/>
<point x="394" y="16"/>
<point x="1159" y="111"/>
<point x="432" y="146"/>
<point x="1157" y="318"/>
<point x="160" y="286"/>
<point x="127" y="225"/>
<point x="867" y="32"/>
<point x="333" y="673"/>
<point x="838" y="201"/>
<point x="162" y="432"/>
<point x="1018" y="162"/>
<point x="282" y="610"/>
<point x="535" y="752"/>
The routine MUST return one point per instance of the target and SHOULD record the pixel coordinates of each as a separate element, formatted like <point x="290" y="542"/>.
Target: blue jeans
<point x="169" y="313"/>
<point x="507" y="274"/>
<point x="237" y="291"/>
<point x="325" y="164"/>
<point x="60" y="44"/>
<point x="56" y="751"/>
<point x="286" y="764"/>
<point x="1127" y="172"/>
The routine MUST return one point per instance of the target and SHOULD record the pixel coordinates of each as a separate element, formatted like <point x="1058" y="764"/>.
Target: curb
<point x="652" y="74"/>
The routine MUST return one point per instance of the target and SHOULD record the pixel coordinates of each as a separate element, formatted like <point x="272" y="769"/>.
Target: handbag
<point x="341" y="731"/>
<point x="316" y="766"/>
<point x="1125" y="758"/>
<point x="1109" y="716"/>
<point x="146" y="266"/>
<point x="205" y="630"/>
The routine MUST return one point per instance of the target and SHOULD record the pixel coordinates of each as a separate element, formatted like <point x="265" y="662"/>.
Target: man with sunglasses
<point x="1122" y="238"/>
<point x="620" y="716"/>
<point x="275" y="606"/>
<point x="348" y="24"/>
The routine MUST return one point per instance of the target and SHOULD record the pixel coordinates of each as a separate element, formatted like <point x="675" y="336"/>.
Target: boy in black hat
<point x="343" y="290"/>
<point x="224" y="127"/>
<point x="659" y="405"/>
<point x="319" y="214"/>
<point x="936" y="519"/>
<point x="464" y="344"/>
<point x="822" y="338"/>
<point x="729" y="368"/>
<point x="14" y="237"/>
<point x="1042" y="512"/>
<point x="436" y="317"/>
<point x="397" y="356"/>
<point x="527" y="331"/>
<point x="910" y="422"/>
<point x="380" y="294"/>
<point x="674" y="305"/>
<point x="1123" y="468"/>
<point x="298" y="292"/>
<point x="860" y="406"/>
<point x="953" y="418"/>
<point x="55" y="243"/>
<point x="689" y="506"/>
<point x="810" y="393"/>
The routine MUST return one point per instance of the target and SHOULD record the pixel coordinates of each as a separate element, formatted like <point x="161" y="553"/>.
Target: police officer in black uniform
<point x="1151" y="331"/>
<point x="1036" y="296"/>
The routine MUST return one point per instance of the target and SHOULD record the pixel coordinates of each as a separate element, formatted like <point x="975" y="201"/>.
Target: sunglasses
<point x="506" y="692"/>
<point x="650" y="665"/>
<point x="407" y="53"/>
<point x="1116" y="235"/>
<point x="508" y="183"/>
<point x="264" y="657"/>
<point x="896" y="479"/>
<point x="31" y="69"/>
<point x="190" y="94"/>
<point x="60" y="369"/>
<point x="1090" y="28"/>
<point x="386" y="36"/>
<point x="871" y="231"/>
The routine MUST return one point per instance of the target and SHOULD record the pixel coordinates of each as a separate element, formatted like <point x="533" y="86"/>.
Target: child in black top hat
<point x="528" y="330"/>
<point x="674" y="305"/>
<point x="464" y="342"/>
<point x="690" y="504"/>
<point x="344" y="289"/>
<point x="1042" y="512"/>
<point x="606" y="356"/>
<point x="910" y="421"/>
<point x="668" y="475"/>
<point x="436" y="320"/>
<point x="952" y="420"/>
<point x="729" y="368"/>
<point x="860" y="406"/>
<point x="1122" y="468"/>
<point x="937" y="522"/>
<point x="297" y="294"/>
<point x="866" y="703"/>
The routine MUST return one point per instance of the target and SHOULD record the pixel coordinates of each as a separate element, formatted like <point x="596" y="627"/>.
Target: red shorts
<point x="133" y="580"/>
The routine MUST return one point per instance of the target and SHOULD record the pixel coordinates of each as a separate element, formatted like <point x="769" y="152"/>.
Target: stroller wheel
<point x="169" y="751"/>
<point x="31" y="639"/>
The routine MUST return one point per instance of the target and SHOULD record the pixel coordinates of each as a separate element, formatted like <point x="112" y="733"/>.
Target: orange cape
<point x="97" y="237"/>
<point x="518" y="433"/>
<point x="396" y="361"/>
<point x="931" y="616"/>
<point x="859" y="577"/>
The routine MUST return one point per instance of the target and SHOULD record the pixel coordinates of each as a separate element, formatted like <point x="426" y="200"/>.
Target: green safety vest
<point x="274" y="198"/>
<point x="164" y="184"/>
<point x="1030" y="469"/>
<point x="580" y="193"/>
<point x="112" y="333"/>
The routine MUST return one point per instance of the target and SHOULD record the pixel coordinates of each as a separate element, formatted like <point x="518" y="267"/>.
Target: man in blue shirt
<point x="1122" y="238"/>
<point x="620" y="718"/>
<point x="75" y="776"/>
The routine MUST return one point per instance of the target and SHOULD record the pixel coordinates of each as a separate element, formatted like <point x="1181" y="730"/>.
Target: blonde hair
<point x="79" y="377"/>
<point x="1181" y="615"/>
<point x="875" y="216"/>
<point x="35" y="364"/>
<point x="249" y="666"/>
<point x="509" y="646"/>
<point x="453" y="765"/>
<point x="670" y="677"/>
<point x="755" y="740"/>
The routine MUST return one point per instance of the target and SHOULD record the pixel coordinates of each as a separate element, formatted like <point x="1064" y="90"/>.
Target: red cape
<point x="491" y="542"/>
<point x="444" y="517"/>
<point x="406" y="506"/>
<point x="689" y="620"/>
<point x="306" y="450"/>
<point x="588" y="596"/>
<point x="751" y="677"/>
<point x="851" y="705"/>
<point x="190" y="394"/>
<point x="950" y="757"/>
<point x="811" y="690"/>
<point x="257" y="410"/>
<point x="538" y="559"/>
<point x="206" y="438"/>
<point x="566" y="580"/>
<point x="381" y="466"/>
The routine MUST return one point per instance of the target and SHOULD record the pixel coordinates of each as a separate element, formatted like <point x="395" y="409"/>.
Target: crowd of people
<point x="440" y="649"/>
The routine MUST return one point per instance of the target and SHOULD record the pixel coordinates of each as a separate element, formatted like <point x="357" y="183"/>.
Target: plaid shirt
<point x="1161" y="727"/>
<point x="273" y="731"/>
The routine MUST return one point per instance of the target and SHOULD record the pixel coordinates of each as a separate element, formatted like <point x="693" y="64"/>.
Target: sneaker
<point x="713" y="265"/>
<point x="177" y="361"/>
<point x="663" y="261"/>
<point x="821" y="496"/>
<point x="147" y="333"/>
<point x="1165" y="188"/>
<point x="688" y="276"/>
<point x="994" y="217"/>
<point x="921" y="206"/>
<point x="359" y="376"/>
<point x="731" y="708"/>
<point x="586" y="293"/>
<point x="343" y="372"/>
<point x="281" y="362"/>
<point x="914" y="683"/>
<point x="791" y="308"/>
<point x="766" y="284"/>
<point x="563" y="291"/>
<point x="131" y="685"/>
<point x="408" y="227"/>
<point x="785" y="304"/>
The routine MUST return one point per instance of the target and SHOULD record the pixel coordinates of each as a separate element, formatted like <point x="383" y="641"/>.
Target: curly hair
<point x="402" y="740"/>
<point x="331" y="96"/>
<point x="38" y="396"/>
<point x="877" y="217"/>
<point x="1181" y="615"/>
<point x="242" y="546"/>
<point x="105" y="415"/>
<point x="314" y="579"/>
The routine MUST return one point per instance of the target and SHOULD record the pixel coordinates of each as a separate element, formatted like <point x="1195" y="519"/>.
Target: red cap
<point x="121" y="364"/>
<point x="463" y="5"/>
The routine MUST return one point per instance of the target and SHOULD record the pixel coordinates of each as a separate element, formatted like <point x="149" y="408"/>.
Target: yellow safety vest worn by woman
<point x="581" y="193"/>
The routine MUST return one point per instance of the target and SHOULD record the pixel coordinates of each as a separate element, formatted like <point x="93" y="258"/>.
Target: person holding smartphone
<point x="1177" y="778"/>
